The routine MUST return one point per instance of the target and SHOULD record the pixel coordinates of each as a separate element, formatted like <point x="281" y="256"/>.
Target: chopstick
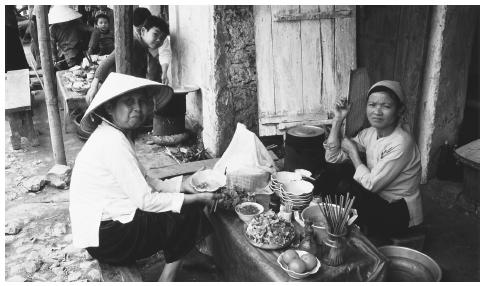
<point x="337" y="212"/>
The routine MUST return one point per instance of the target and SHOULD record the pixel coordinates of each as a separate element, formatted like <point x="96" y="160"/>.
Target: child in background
<point x="102" y="38"/>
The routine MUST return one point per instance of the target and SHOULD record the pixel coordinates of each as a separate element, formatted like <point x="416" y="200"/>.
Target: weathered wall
<point x="446" y="76"/>
<point x="235" y="71"/>
<point x="213" y="47"/>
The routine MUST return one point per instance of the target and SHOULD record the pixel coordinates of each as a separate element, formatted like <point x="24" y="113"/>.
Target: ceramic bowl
<point x="293" y="274"/>
<point x="208" y="181"/>
<point x="248" y="217"/>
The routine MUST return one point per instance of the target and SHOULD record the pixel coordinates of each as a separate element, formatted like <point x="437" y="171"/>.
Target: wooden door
<point x="304" y="55"/>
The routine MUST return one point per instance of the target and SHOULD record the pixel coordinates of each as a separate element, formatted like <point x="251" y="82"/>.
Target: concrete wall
<point x="192" y="40"/>
<point x="213" y="47"/>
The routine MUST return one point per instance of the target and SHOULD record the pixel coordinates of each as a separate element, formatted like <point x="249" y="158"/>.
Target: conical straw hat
<point x="62" y="13"/>
<point x="117" y="84"/>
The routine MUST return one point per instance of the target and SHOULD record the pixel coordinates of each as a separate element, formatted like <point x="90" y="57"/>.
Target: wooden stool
<point x="18" y="111"/>
<point x="414" y="238"/>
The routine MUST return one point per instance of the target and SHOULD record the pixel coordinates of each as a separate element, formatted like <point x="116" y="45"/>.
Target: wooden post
<point x="123" y="38"/>
<point x="50" y="86"/>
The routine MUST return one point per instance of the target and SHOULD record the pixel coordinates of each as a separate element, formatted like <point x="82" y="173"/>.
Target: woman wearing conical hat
<point x="386" y="186"/>
<point x="118" y="213"/>
<point x="67" y="34"/>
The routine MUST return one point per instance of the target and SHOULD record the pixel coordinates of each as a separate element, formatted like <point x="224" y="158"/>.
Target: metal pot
<point x="410" y="265"/>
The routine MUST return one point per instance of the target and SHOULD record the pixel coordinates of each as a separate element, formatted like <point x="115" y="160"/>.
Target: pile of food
<point x="233" y="197"/>
<point x="270" y="231"/>
<point x="248" y="209"/>
<point x="78" y="79"/>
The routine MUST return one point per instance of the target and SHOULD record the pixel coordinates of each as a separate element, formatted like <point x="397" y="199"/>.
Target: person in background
<point x="119" y="213"/>
<point x="145" y="64"/>
<point x="102" y="38"/>
<point x="386" y="186"/>
<point x="67" y="34"/>
<point x="14" y="52"/>
<point x="109" y="12"/>
<point x="164" y="52"/>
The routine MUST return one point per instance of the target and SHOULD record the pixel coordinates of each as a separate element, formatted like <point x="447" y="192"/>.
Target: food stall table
<point x="240" y="261"/>
<point x="70" y="99"/>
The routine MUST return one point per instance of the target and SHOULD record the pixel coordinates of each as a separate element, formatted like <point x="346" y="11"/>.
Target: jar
<point x="334" y="248"/>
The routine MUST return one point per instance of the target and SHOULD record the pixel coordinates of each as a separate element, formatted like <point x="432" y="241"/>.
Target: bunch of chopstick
<point x="337" y="212"/>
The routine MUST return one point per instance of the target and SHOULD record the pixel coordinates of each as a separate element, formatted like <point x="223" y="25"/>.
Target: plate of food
<point x="268" y="231"/>
<point x="208" y="181"/>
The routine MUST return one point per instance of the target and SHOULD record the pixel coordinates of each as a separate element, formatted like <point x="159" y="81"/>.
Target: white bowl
<point x="294" y="274"/>
<point x="208" y="181"/>
<point x="299" y="188"/>
<point x="285" y="177"/>
<point x="248" y="217"/>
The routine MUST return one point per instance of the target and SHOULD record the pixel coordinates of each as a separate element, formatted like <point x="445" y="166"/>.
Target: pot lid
<point x="306" y="131"/>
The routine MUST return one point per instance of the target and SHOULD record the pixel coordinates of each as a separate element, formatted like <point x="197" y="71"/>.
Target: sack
<point x="244" y="153"/>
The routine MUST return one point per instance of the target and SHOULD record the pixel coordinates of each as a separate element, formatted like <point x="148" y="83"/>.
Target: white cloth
<point x="393" y="167"/>
<point x="108" y="183"/>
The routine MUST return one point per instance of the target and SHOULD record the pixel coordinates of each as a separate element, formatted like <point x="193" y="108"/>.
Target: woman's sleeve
<point x="393" y="160"/>
<point x="333" y="153"/>
<point x="105" y="67"/>
<point x="124" y="167"/>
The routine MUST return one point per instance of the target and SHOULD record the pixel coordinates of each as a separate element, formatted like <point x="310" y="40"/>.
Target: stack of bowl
<point x="292" y="189"/>
<point x="279" y="179"/>
<point x="298" y="193"/>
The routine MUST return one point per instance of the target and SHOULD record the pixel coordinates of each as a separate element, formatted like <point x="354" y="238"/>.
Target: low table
<point x="70" y="99"/>
<point x="240" y="261"/>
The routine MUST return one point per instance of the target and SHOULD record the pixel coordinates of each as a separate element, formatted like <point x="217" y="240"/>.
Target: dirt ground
<point x="42" y="249"/>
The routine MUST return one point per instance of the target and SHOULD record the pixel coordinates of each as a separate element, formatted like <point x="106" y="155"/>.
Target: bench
<point x="18" y="110"/>
<point x="125" y="273"/>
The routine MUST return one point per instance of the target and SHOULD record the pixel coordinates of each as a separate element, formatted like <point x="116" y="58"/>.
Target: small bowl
<point x="294" y="274"/>
<point x="248" y="217"/>
<point x="210" y="180"/>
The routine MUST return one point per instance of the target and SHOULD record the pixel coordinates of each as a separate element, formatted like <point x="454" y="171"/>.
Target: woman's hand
<point x="341" y="109"/>
<point x="186" y="187"/>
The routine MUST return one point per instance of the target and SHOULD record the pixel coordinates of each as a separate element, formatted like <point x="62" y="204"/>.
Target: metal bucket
<point x="410" y="265"/>
<point x="304" y="149"/>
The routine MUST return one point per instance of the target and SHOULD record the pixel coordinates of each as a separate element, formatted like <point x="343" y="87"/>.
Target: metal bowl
<point x="410" y="265"/>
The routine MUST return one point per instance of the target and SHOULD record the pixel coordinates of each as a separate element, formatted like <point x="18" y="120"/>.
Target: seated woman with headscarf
<point x="118" y="213"/>
<point x="386" y="187"/>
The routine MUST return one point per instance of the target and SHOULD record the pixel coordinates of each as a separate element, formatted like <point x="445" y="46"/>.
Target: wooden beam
<point x="50" y="86"/>
<point x="275" y="119"/>
<point x="285" y="16"/>
<point x="123" y="38"/>
<point x="181" y="169"/>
